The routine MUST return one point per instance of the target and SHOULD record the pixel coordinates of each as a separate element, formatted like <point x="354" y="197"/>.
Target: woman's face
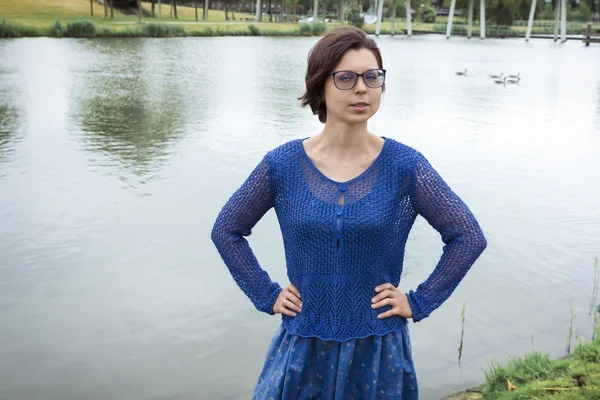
<point x="356" y="105"/>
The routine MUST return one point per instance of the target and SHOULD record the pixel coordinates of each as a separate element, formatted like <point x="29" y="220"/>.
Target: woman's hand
<point x="288" y="302"/>
<point x="391" y="296"/>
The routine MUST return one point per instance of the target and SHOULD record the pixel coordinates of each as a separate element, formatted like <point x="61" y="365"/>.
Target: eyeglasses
<point x="346" y="80"/>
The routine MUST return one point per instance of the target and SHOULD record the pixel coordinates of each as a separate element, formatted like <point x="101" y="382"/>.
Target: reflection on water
<point x="128" y="108"/>
<point x="8" y="132"/>
<point x="130" y="124"/>
<point x="108" y="294"/>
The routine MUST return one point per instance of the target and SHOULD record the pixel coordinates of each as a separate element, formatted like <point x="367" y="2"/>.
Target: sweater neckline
<point x="318" y="171"/>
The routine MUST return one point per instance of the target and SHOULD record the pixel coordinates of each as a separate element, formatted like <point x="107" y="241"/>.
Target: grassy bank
<point x="88" y="29"/>
<point x="150" y="28"/>
<point x="536" y="376"/>
<point x="29" y="18"/>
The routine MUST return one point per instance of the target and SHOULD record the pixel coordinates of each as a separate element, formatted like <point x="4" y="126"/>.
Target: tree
<point x="105" y="9"/>
<point x="503" y="12"/>
<point x="112" y="9"/>
<point x="196" y="9"/>
<point x="354" y="17"/>
<point x="153" y="1"/>
<point x="175" y="8"/>
<point x="92" y="7"/>
<point x="139" y="3"/>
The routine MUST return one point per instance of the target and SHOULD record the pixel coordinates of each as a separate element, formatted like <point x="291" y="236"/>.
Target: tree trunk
<point x="294" y="5"/>
<point x="139" y="10"/>
<point x="226" y="11"/>
<point x="393" y="17"/>
<point x="159" y="7"/>
<point x="112" y="10"/>
<point x="270" y="12"/>
<point x="92" y="7"/>
<point x="258" y="11"/>
<point x="153" y="1"/>
<point x="341" y="12"/>
<point x="175" y="8"/>
<point x="105" y="9"/>
<point x="196" y="9"/>
<point x="205" y="11"/>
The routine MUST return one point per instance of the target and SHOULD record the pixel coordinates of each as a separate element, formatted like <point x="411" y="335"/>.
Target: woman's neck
<point x="344" y="136"/>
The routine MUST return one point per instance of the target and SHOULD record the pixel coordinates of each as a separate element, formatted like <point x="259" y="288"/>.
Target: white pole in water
<point x="379" y="17"/>
<point x="450" y="16"/>
<point x="482" y="19"/>
<point x="556" y="15"/>
<point x="563" y="23"/>
<point x="408" y="19"/>
<point x="530" y="23"/>
<point x="470" y="30"/>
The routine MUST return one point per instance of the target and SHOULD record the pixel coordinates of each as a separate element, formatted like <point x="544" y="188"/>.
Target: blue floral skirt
<point x="374" y="368"/>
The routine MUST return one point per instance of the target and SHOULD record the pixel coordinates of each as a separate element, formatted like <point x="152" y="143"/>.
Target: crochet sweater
<point x="342" y="239"/>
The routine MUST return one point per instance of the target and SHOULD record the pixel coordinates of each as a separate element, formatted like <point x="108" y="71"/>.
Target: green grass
<point x="39" y="18"/>
<point x="537" y="376"/>
<point x="71" y="18"/>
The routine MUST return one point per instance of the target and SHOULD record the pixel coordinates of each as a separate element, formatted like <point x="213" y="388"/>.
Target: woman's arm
<point x="235" y="221"/>
<point x="463" y="238"/>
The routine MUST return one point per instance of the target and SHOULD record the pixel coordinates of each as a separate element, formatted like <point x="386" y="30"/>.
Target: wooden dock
<point x="591" y="35"/>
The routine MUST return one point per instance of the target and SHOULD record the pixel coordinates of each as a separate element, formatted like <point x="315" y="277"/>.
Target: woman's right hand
<point x="288" y="302"/>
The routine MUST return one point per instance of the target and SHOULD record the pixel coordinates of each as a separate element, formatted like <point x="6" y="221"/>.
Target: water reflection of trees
<point x="128" y="109"/>
<point x="8" y="131"/>
<point x="597" y="128"/>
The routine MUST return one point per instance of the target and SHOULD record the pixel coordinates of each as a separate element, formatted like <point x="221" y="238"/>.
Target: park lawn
<point x="43" y="13"/>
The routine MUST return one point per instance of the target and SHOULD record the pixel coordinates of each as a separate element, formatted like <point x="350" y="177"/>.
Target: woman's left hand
<point x="391" y="296"/>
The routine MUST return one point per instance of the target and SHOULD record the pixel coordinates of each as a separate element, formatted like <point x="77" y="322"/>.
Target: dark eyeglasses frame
<point x="359" y="76"/>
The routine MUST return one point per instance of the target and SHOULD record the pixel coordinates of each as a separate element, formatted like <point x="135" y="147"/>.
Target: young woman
<point x="346" y="200"/>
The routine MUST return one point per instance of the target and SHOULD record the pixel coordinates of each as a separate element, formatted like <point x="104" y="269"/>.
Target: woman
<point x="346" y="200"/>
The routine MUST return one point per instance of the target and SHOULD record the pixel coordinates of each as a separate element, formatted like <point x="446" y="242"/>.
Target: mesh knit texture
<point x="342" y="239"/>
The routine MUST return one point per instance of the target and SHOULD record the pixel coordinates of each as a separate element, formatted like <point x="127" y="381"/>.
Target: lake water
<point x="117" y="155"/>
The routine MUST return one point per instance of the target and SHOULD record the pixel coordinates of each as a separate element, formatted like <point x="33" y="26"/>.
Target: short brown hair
<point x="323" y="58"/>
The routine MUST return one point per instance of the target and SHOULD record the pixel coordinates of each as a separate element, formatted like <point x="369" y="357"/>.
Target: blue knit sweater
<point x="342" y="239"/>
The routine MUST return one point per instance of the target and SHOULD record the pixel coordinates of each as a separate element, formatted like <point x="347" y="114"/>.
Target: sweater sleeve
<point x="464" y="241"/>
<point x="235" y="221"/>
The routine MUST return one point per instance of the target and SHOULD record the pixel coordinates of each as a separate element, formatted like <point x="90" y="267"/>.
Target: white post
<point x="563" y="23"/>
<point x="316" y="11"/>
<point x="482" y="19"/>
<point x="379" y="17"/>
<point x="470" y="19"/>
<point x="530" y="23"/>
<point x="556" y="15"/>
<point x="408" y="19"/>
<point x="258" y="11"/>
<point x="450" y="16"/>
<point x="158" y="9"/>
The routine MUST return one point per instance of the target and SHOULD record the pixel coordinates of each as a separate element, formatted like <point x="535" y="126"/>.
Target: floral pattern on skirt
<point x="374" y="368"/>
